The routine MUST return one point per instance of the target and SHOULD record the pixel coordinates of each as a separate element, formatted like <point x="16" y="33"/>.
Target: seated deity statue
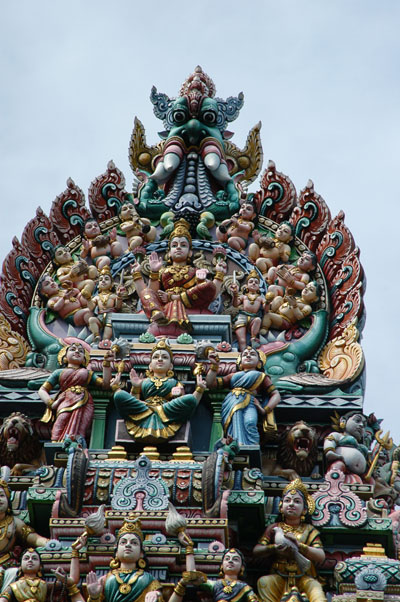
<point x="176" y="286"/>
<point x="236" y="230"/>
<point x="285" y="312"/>
<point x="157" y="406"/>
<point x="267" y="252"/>
<point x="101" y="248"/>
<point x="345" y="450"/>
<point x="138" y="230"/>
<point x="74" y="273"/>
<point x="291" y="278"/>
<point x="294" y="547"/>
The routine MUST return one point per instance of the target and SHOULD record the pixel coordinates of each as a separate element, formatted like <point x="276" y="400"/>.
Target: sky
<point x="322" y="76"/>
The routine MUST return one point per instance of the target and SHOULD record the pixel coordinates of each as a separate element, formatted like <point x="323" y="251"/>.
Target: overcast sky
<point x="322" y="76"/>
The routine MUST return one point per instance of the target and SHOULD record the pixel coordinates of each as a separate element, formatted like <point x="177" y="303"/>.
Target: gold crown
<point x="132" y="526"/>
<point x="4" y="485"/>
<point x="106" y="271"/>
<point x="253" y="274"/>
<point x="181" y="229"/>
<point x="163" y="345"/>
<point x="298" y="485"/>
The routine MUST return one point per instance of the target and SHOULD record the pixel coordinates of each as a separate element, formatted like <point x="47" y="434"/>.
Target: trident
<point x="384" y="442"/>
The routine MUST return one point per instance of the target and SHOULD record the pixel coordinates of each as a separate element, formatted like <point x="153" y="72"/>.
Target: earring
<point x="241" y="572"/>
<point x="114" y="563"/>
<point x="170" y="373"/>
<point x="141" y="563"/>
<point x="303" y="517"/>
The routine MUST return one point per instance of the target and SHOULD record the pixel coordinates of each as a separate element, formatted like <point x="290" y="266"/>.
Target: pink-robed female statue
<point x="72" y="408"/>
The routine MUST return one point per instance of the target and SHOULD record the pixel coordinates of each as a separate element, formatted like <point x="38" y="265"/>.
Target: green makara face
<point x="193" y="129"/>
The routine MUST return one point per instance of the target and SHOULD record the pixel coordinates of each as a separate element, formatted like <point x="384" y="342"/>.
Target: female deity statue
<point x="127" y="581"/>
<point x="157" y="407"/>
<point x="177" y="286"/>
<point x="240" y="408"/>
<point x="12" y="530"/>
<point x="73" y="405"/>
<point x="294" y="547"/>
<point x="29" y="585"/>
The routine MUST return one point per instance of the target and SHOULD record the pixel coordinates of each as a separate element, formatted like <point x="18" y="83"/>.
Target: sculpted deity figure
<point x="286" y="311"/>
<point x="72" y="407"/>
<point x="345" y="450"/>
<point x="138" y="230"/>
<point x="252" y="304"/>
<point x="74" y="274"/>
<point x="157" y="406"/>
<point x="70" y="304"/>
<point x="267" y="252"/>
<point x="241" y="407"/>
<point x="237" y="229"/>
<point x="106" y="301"/>
<point x="12" y="530"/>
<point x="102" y="248"/>
<point x="294" y="547"/>
<point x="176" y="286"/>
<point x="291" y="278"/>
<point x="29" y="585"/>
<point x="127" y="580"/>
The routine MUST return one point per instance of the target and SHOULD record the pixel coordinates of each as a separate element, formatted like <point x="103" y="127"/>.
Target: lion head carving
<point x="297" y="449"/>
<point x="20" y="447"/>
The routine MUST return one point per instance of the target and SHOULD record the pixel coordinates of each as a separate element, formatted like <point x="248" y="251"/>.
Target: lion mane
<point x="297" y="449"/>
<point x="20" y="446"/>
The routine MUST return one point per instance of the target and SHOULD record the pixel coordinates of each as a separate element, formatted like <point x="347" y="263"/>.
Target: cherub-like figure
<point x="72" y="408"/>
<point x="345" y="450"/>
<point x="177" y="285"/>
<point x="267" y="252"/>
<point x="242" y="405"/>
<point x="291" y="278"/>
<point x="70" y="304"/>
<point x="237" y="229"/>
<point x="106" y="301"/>
<point x="285" y="312"/>
<point x="252" y="304"/>
<point x="74" y="274"/>
<point x="13" y="530"/>
<point x="294" y="547"/>
<point x="102" y="248"/>
<point x="157" y="406"/>
<point x="138" y="230"/>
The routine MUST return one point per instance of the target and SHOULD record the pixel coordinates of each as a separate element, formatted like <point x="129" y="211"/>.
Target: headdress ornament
<point x="181" y="229"/>
<point x="298" y="485"/>
<point x="196" y="87"/>
<point x="163" y="345"/>
<point x="61" y="355"/>
<point x="106" y="271"/>
<point x="253" y="274"/>
<point x="4" y="485"/>
<point x="132" y="526"/>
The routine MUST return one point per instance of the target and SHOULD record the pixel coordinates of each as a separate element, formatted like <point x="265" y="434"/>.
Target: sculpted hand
<point x="134" y="378"/>
<point x="80" y="542"/>
<point x="116" y="381"/>
<point x="234" y="288"/>
<point x="61" y="575"/>
<point x="94" y="586"/>
<point x="176" y="391"/>
<point x="113" y="234"/>
<point x="214" y="358"/>
<point x="135" y="267"/>
<point x="163" y="296"/>
<point x="155" y="262"/>
<point x="152" y="596"/>
<point x="221" y="267"/>
<point x="200" y="382"/>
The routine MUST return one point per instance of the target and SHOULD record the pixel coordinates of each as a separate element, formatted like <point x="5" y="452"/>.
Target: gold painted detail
<point x="13" y="347"/>
<point x="182" y="453"/>
<point x="117" y="452"/>
<point x="142" y="156"/>
<point x="342" y="358"/>
<point x="248" y="159"/>
<point x="374" y="549"/>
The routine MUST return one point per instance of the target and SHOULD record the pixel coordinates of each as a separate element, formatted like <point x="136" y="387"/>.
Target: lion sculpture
<point x="297" y="453"/>
<point x="20" y="447"/>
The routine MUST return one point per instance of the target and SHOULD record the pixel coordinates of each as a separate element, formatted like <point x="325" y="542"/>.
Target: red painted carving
<point x="68" y="212"/>
<point x="310" y="217"/>
<point x="37" y="240"/>
<point x="106" y="193"/>
<point x="279" y="209"/>
<point x="334" y="247"/>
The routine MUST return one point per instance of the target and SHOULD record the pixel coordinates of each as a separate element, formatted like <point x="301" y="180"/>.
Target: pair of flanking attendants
<point x="293" y="545"/>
